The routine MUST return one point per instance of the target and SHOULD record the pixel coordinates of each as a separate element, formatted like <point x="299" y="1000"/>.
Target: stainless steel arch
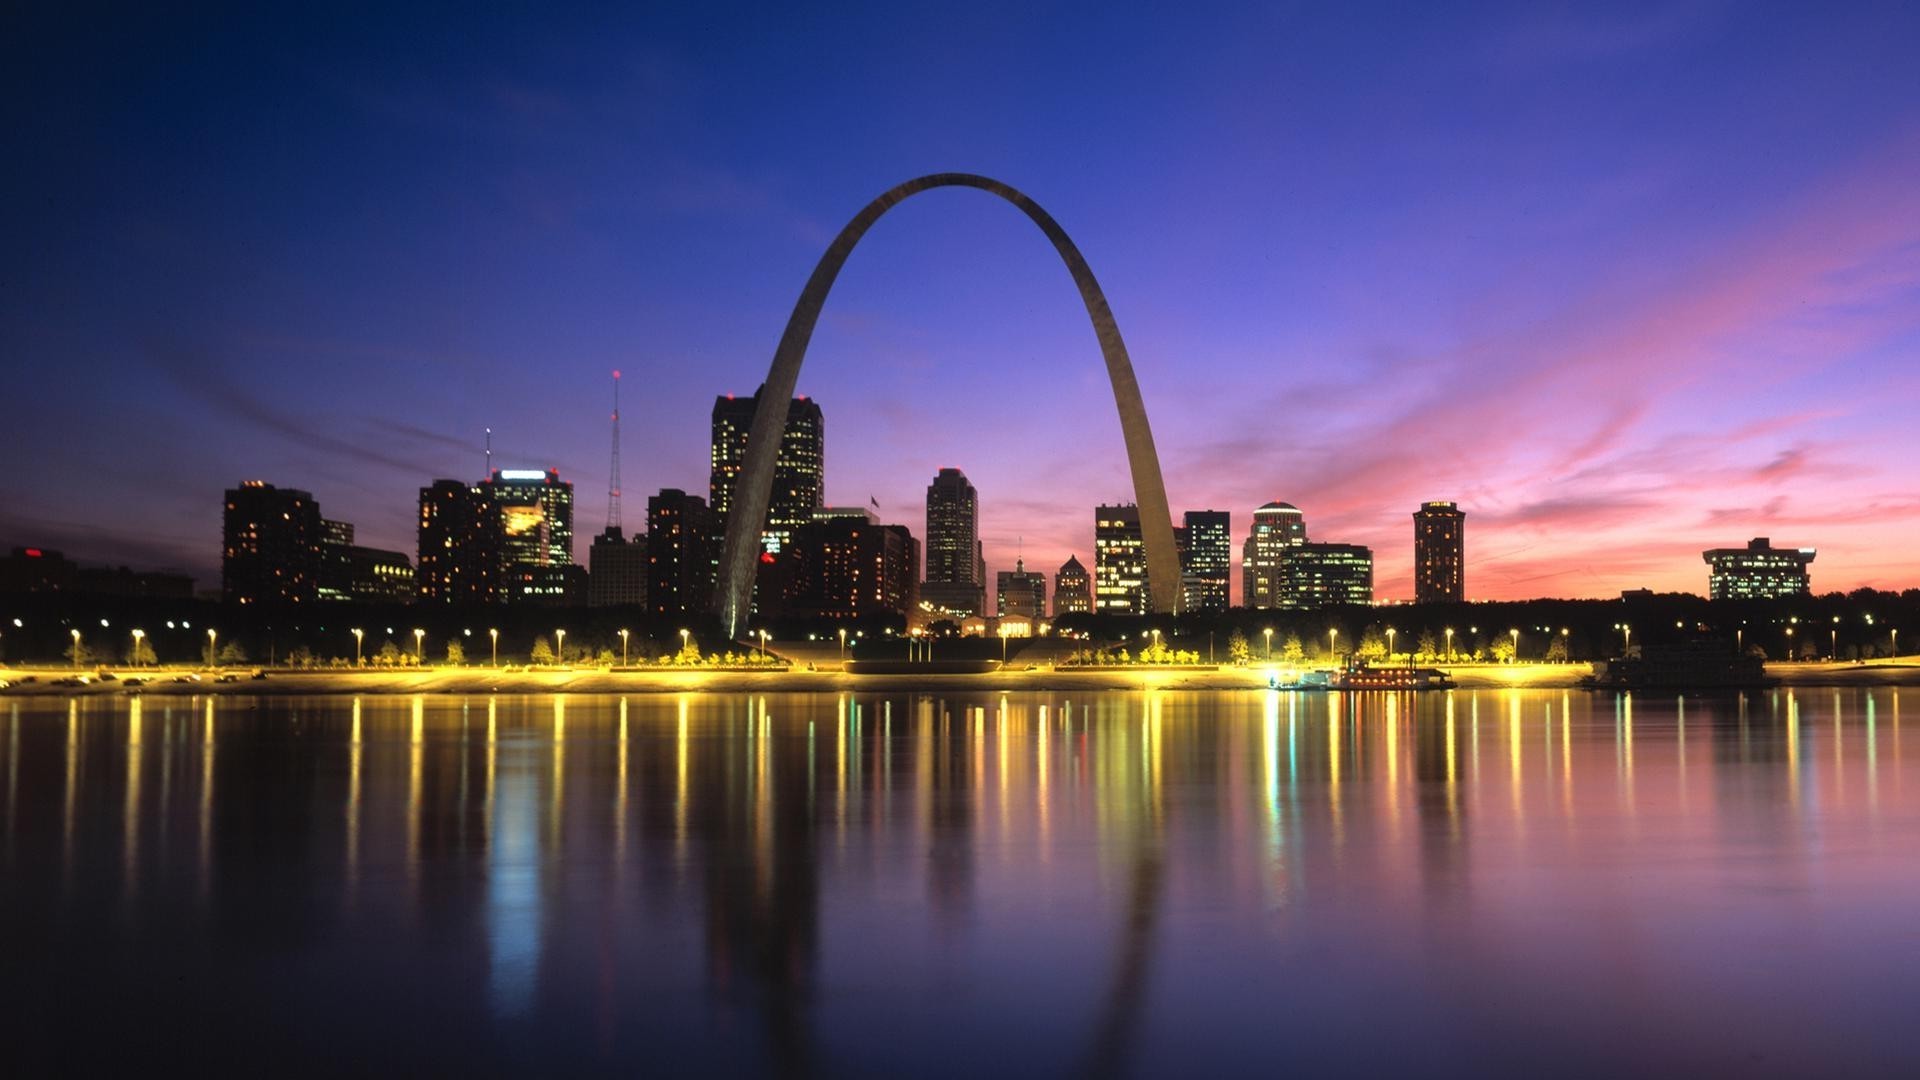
<point x="755" y="484"/>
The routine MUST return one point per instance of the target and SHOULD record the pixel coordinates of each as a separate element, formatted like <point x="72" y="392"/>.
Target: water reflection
<point x="1158" y="881"/>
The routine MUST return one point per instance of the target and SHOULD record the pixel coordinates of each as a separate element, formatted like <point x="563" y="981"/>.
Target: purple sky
<point x="1626" y="282"/>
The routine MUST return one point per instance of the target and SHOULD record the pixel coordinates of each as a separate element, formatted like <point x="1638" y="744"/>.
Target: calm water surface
<point x="1132" y="883"/>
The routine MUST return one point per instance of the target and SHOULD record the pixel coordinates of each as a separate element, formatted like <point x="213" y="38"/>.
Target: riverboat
<point x="1369" y="677"/>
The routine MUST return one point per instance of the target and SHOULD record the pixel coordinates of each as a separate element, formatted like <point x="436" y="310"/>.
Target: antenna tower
<point x="489" y="453"/>
<point x="613" y="473"/>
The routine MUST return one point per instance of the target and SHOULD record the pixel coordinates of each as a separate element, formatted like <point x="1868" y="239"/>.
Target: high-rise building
<point x="534" y="509"/>
<point x="1119" y="561"/>
<point x="1758" y="571"/>
<point x="1206" y="560"/>
<point x="270" y="545"/>
<point x="617" y="570"/>
<point x="681" y="551"/>
<point x="843" y="566"/>
<point x="1324" y="575"/>
<point x="956" y="573"/>
<point x="1439" y="553"/>
<point x="799" y="468"/>
<point x="1072" y="589"/>
<point x="1277" y="527"/>
<point x="458" y="560"/>
<point x="1019" y="593"/>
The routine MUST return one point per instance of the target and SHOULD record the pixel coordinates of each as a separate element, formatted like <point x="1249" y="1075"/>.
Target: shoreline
<point x="477" y="681"/>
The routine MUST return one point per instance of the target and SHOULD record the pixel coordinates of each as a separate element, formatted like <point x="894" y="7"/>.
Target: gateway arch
<point x="755" y="484"/>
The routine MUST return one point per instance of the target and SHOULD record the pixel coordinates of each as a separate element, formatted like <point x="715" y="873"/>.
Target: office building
<point x="1072" y="589"/>
<point x="844" y="567"/>
<point x="682" y="554"/>
<point x="1206" y="560"/>
<point x="270" y="546"/>
<point x="1326" y="575"/>
<point x="956" y="567"/>
<point x="1119" y="561"/>
<point x="349" y="571"/>
<point x="1758" y="571"/>
<point x="1439" y="553"/>
<point x="617" y="570"/>
<point x="458" y="555"/>
<point x="799" y="468"/>
<point x="1277" y="528"/>
<point x="1018" y="593"/>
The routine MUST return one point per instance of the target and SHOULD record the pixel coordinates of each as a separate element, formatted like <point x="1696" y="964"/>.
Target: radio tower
<point x="613" y="473"/>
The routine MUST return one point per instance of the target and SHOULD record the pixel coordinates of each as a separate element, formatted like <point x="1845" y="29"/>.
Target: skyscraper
<point x="617" y="570"/>
<point x="1439" y="553"/>
<point x="842" y="566"/>
<point x="533" y="509"/>
<point x="681" y="553"/>
<point x="458" y="560"/>
<point x="1206" y="560"/>
<point x="270" y="550"/>
<point x="799" y="468"/>
<point x="1119" y="561"/>
<point x="1019" y="593"/>
<point x="1072" y="589"/>
<point x="1277" y="527"/>
<point x="956" y="572"/>
<point x="1758" y="571"/>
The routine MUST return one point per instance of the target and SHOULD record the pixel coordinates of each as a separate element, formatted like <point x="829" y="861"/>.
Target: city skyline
<point x="1618" y="325"/>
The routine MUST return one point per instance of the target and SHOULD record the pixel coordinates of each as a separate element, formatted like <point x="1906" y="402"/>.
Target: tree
<point x="689" y="652"/>
<point x="606" y="658"/>
<point x="1237" y="649"/>
<point x="301" y="656"/>
<point x="1557" y="650"/>
<point x="542" y="652"/>
<point x="1428" y="650"/>
<point x="141" y="653"/>
<point x="389" y="654"/>
<point x="1372" y="646"/>
<point x="1502" y="649"/>
<point x="233" y="653"/>
<point x="456" y="652"/>
<point x="1291" y="650"/>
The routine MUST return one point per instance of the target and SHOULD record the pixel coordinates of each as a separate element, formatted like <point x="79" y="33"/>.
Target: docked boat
<point x="1396" y="677"/>
<point x="1694" y="664"/>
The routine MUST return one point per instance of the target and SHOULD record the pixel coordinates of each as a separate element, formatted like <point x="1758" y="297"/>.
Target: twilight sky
<point x="1626" y="281"/>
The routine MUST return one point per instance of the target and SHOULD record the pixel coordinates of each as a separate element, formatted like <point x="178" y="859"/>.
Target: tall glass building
<point x="1439" y="553"/>
<point x="1119" y="561"/>
<point x="799" y="467"/>
<point x="956" y="568"/>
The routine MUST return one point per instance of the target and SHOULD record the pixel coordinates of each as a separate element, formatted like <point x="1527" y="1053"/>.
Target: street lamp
<point x="76" y="648"/>
<point x="1333" y="633"/>
<point x="494" y="635"/>
<point x="213" y="654"/>
<point x="843" y="645"/>
<point x="1003" y="644"/>
<point x="1515" y="658"/>
<point x="623" y="648"/>
<point x="763" y="643"/>
<point x="358" y="635"/>
<point x="1449" y="644"/>
<point x="1626" y="637"/>
<point x="1566" y="654"/>
<point x="1390" y="633"/>
<point x="420" y="646"/>
<point x="1833" y="640"/>
<point x="1789" y="643"/>
<point x="1267" y="633"/>
<point x="1894" y="646"/>
<point x="138" y="636"/>
<point x="559" y="646"/>
<point x="683" y="639"/>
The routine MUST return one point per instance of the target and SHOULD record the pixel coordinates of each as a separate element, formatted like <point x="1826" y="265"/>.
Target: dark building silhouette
<point x="39" y="570"/>
<point x="1439" y="553"/>
<point x="349" y="571"/>
<point x="799" y="469"/>
<point x="270" y="545"/>
<point x="956" y="569"/>
<point x="1758" y="571"/>
<point x="843" y="567"/>
<point x="1072" y="589"/>
<point x="459" y="545"/>
<point x="617" y="570"/>
<point x="682" y="551"/>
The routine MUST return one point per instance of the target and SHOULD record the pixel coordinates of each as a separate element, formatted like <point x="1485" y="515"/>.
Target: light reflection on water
<point x="1022" y="883"/>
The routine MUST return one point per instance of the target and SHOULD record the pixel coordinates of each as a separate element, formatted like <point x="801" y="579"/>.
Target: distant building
<point x="38" y="570"/>
<point x="1072" y="589"/>
<point x="1758" y="571"/>
<point x="1277" y="528"/>
<point x="349" y="571"/>
<point x="845" y="567"/>
<point x="956" y="568"/>
<point x="799" y="467"/>
<point x="1018" y="593"/>
<point x="1324" y="575"/>
<point x="1206" y="560"/>
<point x="270" y="545"/>
<point x="1439" y="553"/>
<point x="1119" y="561"/>
<point x="458" y="555"/>
<point x="617" y="570"/>
<point x="681" y="553"/>
<point x="534" y="508"/>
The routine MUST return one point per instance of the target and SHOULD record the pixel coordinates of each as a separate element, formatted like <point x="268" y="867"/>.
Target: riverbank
<point x="467" y="680"/>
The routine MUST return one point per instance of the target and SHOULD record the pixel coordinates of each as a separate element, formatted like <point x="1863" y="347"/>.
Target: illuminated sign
<point x="522" y="474"/>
